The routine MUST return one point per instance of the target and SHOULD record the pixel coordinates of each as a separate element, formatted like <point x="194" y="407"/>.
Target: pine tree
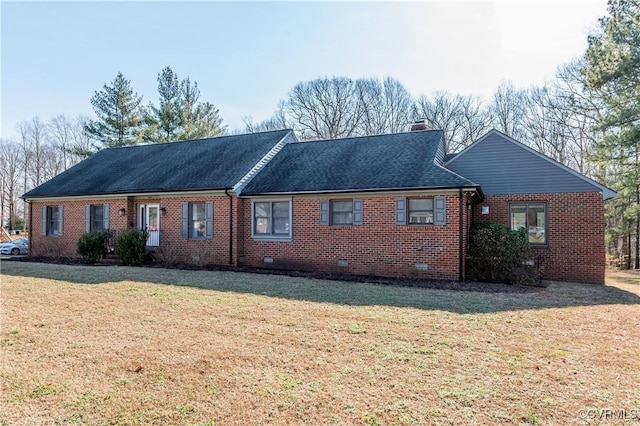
<point x="163" y="121"/>
<point x="613" y="69"/>
<point x="198" y="119"/>
<point x="179" y="114"/>
<point x="119" y="115"/>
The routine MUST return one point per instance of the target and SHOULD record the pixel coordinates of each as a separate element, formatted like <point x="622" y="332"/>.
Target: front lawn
<point x="139" y="346"/>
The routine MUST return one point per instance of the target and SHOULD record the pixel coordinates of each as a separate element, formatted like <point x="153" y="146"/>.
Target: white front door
<point x="149" y="219"/>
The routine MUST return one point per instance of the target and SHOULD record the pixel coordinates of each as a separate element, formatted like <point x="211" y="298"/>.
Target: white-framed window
<point x="271" y="219"/>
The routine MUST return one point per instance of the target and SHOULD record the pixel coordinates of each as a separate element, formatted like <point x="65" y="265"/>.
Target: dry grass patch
<point x="136" y="346"/>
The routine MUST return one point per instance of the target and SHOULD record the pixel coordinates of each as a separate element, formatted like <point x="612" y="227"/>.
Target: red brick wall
<point x="575" y="250"/>
<point x="172" y="245"/>
<point x="377" y="247"/>
<point x="193" y="251"/>
<point x="72" y="226"/>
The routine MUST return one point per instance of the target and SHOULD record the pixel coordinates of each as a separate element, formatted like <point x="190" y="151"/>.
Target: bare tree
<point x="26" y="154"/>
<point x="36" y="153"/>
<point x="82" y="145"/>
<point x="461" y="118"/>
<point x="61" y="131"/>
<point x="338" y="107"/>
<point x="507" y="109"/>
<point x="33" y="134"/>
<point x="558" y="127"/>
<point x="277" y="121"/>
<point x="441" y="111"/>
<point x="545" y="123"/>
<point x="475" y="121"/>
<point x="325" y="108"/>
<point x="10" y="169"/>
<point x="52" y="164"/>
<point x="386" y="106"/>
<point x="585" y="109"/>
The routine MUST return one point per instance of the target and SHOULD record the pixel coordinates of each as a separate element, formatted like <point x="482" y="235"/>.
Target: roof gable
<point x="502" y="165"/>
<point x="205" y="164"/>
<point x="382" y="162"/>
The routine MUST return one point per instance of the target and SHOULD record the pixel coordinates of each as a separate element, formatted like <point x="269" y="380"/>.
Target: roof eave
<point x="464" y="188"/>
<point x="140" y="193"/>
<point x="608" y="194"/>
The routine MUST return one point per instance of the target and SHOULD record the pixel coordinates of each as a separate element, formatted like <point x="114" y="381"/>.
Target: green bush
<point x="132" y="247"/>
<point x="498" y="254"/>
<point x="92" y="246"/>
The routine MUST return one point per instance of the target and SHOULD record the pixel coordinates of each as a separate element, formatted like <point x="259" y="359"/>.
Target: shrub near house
<point x="131" y="247"/>
<point x="92" y="246"/>
<point x="499" y="254"/>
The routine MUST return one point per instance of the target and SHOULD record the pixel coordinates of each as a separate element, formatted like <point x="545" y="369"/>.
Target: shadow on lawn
<point x="460" y="298"/>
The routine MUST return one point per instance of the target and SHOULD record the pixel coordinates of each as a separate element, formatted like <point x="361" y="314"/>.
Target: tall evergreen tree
<point x="190" y="95"/>
<point x="179" y="114"/>
<point x="198" y="119"/>
<point x="613" y="69"/>
<point x="119" y="115"/>
<point x="163" y="121"/>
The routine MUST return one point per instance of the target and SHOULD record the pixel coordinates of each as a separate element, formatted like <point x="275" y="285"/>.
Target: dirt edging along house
<point x="392" y="205"/>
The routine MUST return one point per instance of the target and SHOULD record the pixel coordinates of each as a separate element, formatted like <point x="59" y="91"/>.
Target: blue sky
<point x="246" y="56"/>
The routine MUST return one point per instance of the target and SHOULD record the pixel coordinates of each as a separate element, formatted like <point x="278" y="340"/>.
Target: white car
<point x="19" y="246"/>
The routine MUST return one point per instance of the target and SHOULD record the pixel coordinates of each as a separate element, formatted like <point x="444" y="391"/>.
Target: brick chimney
<point x="418" y="125"/>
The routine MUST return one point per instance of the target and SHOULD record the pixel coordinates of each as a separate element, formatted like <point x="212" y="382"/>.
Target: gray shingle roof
<point x="384" y="162"/>
<point x="214" y="163"/>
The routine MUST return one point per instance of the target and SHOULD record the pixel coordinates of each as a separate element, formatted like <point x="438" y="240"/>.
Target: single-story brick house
<point x="391" y="205"/>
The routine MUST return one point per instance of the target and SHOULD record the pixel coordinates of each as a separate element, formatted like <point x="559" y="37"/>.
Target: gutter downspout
<point x="461" y="236"/>
<point x="30" y="227"/>
<point x="226" y="191"/>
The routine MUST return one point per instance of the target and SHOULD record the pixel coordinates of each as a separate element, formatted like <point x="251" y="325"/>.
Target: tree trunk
<point x="628" y="265"/>
<point x="637" y="263"/>
<point x="11" y="215"/>
<point x="2" y="193"/>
